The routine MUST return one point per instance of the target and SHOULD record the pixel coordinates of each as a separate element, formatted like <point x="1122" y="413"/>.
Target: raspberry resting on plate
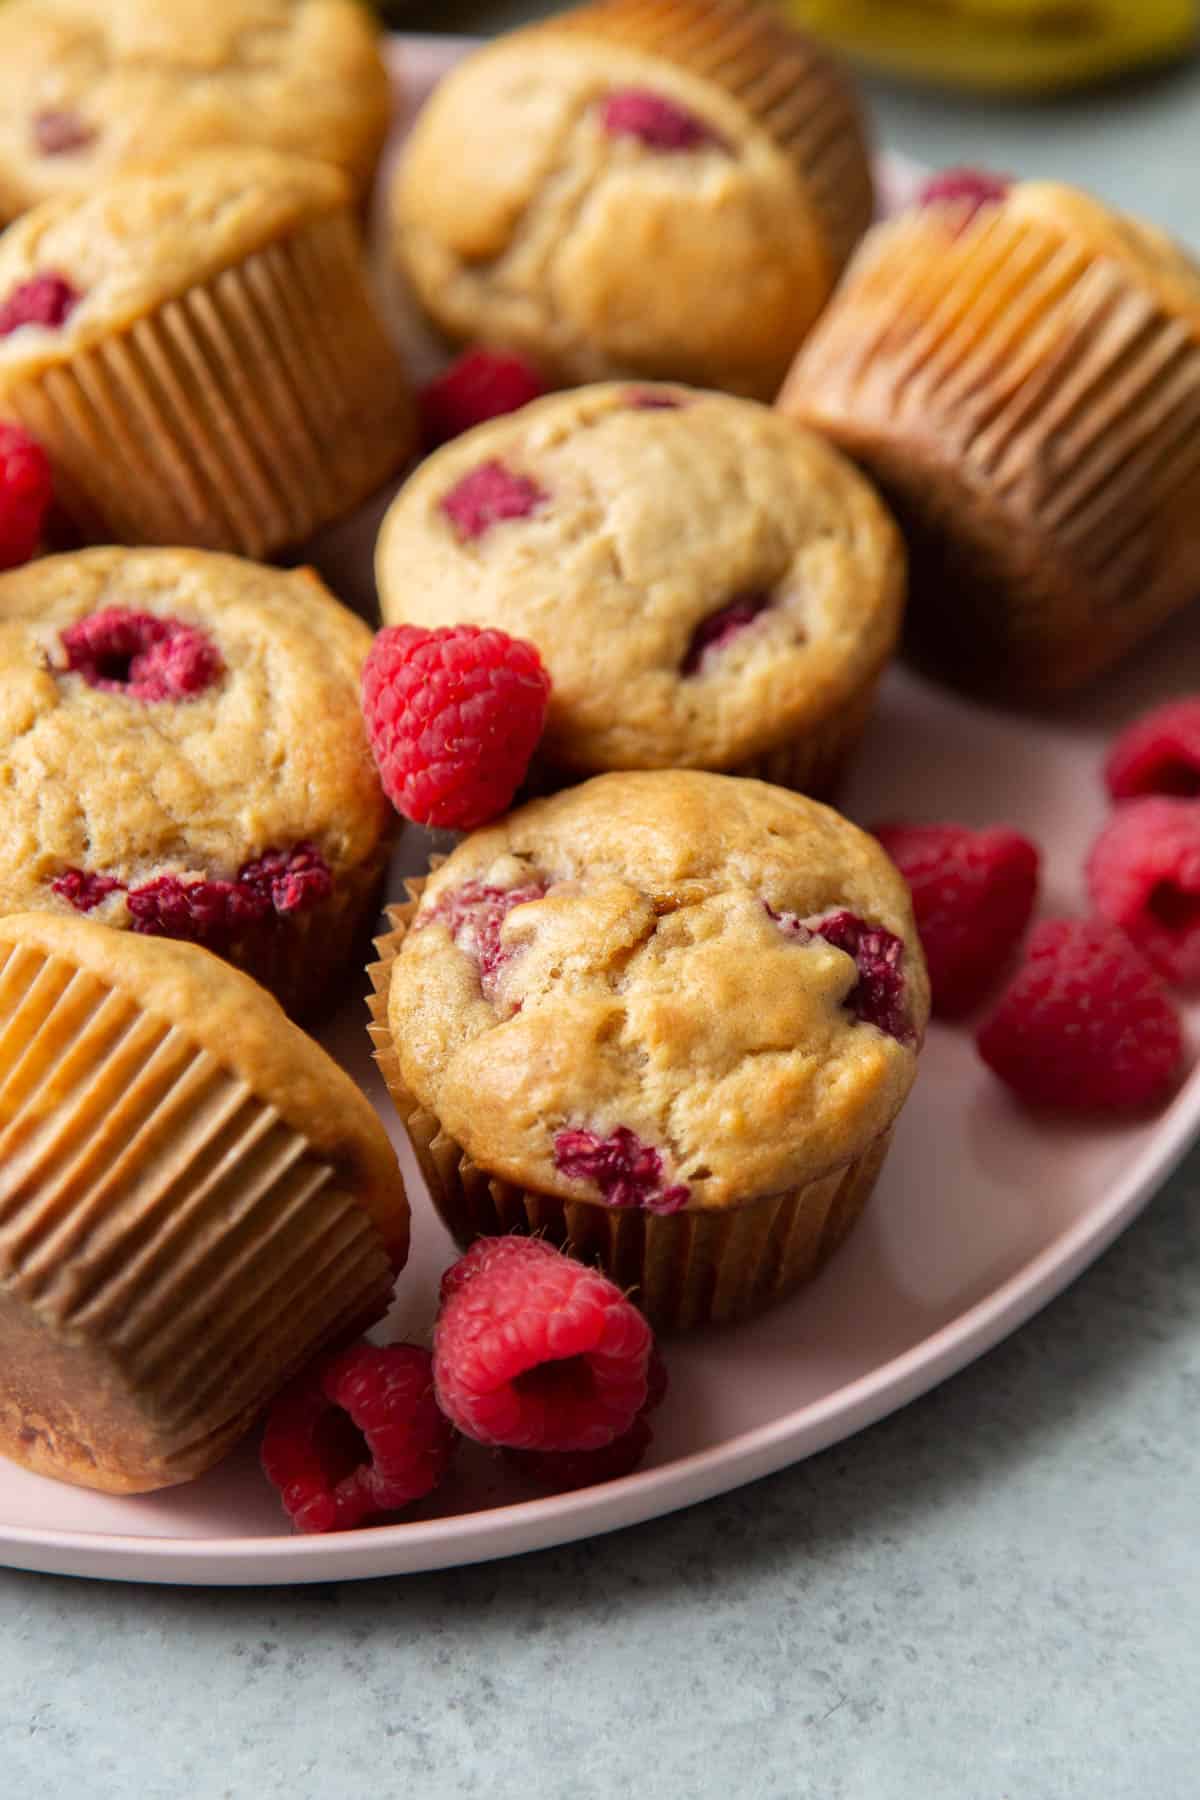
<point x="1143" y="875"/>
<point x="1158" y="754"/>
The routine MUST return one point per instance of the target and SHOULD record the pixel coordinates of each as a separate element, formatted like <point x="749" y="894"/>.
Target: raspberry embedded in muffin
<point x="47" y="300"/>
<point x="142" y="656"/>
<point x="59" y="131"/>
<point x="720" y="627"/>
<point x="626" y="1171"/>
<point x="487" y="496"/>
<point x="474" y="915"/>
<point x="657" y="122"/>
<point x="877" y="997"/>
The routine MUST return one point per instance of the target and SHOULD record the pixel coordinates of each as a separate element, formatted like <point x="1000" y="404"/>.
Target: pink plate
<point x="982" y="1216"/>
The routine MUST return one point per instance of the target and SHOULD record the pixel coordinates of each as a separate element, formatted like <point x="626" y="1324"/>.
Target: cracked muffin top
<point x="703" y="578"/>
<point x="170" y="714"/>
<point x="89" y="86"/>
<point x="669" y="989"/>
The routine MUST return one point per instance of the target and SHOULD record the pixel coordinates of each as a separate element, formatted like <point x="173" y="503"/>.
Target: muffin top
<point x="245" y="1031"/>
<point x="611" y="213"/>
<point x="171" y="713"/>
<point x="79" y="268"/>
<point x="670" y="989"/>
<point x="701" y="576"/>
<point x="87" y="86"/>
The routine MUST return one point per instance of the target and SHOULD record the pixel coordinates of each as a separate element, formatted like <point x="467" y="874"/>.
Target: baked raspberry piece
<point x="357" y="1436"/>
<point x="877" y="997"/>
<point x="1143" y="875"/>
<point x="46" y="300"/>
<point x="82" y="890"/>
<point x="26" y="495"/>
<point x="1158" y="754"/>
<point x="288" y="881"/>
<point x="654" y="400"/>
<point x="626" y="1171"/>
<point x="59" y="131"/>
<point x="972" y="189"/>
<point x="536" y="1352"/>
<point x="1085" y="1025"/>
<point x="487" y="496"/>
<point x="474" y="915"/>
<point x="973" y="895"/>
<point x="210" y="913"/>
<point x="453" y="717"/>
<point x="480" y="384"/>
<point x="655" y="121"/>
<point x="142" y="656"/>
<point x="728" y="622"/>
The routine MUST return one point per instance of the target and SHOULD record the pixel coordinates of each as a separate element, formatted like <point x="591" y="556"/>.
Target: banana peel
<point x="1003" y="46"/>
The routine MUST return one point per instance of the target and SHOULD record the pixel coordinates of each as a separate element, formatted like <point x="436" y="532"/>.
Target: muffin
<point x="666" y="1018"/>
<point x="637" y="189"/>
<point x="88" y="87"/>
<point x="1019" y="369"/>
<point x="708" y="586"/>
<point x="182" y="754"/>
<point x="195" y="1200"/>
<point x="196" y="348"/>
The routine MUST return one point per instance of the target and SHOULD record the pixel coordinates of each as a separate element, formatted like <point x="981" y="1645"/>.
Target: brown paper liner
<point x="1034" y="419"/>
<point x="261" y="405"/>
<point x="788" y="83"/>
<point x="170" y="1250"/>
<point x="684" y="1270"/>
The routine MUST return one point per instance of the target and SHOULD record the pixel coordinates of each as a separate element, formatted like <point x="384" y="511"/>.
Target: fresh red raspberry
<point x="46" y="300"/>
<point x="479" y="385"/>
<point x="627" y="1171"/>
<point x="658" y="123"/>
<point x="1085" y="1025"/>
<point x="474" y="915"/>
<point x="58" y="131"/>
<point x="26" y="495"/>
<point x="969" y="189"/>
<point x="142" y="656"/>
<point x="719" y="627"/>
<point x="487" y="496"/>
<point x="973" y="895"/>
<point x="1143" y="875"/>
<point x="535" y="1351"/>
<point x="454" y="717"/>
<point x="357" y="1436"/>
<point x="1158" y="754"/>
<point x="484" y="1254"/>
<point x="83" y="890"/>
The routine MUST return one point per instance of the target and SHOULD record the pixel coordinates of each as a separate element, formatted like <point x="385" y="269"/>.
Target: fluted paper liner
<point x="243" y="416"/>
<point x="1034" y="417"/>
<point x="171" y="1250"/>
<point x="683" y="1269"/>
<point x="787" y="82"/>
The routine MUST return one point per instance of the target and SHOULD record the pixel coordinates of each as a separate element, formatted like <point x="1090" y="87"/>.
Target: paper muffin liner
<point x="259" y="406"/>
<point x="789" y="83"/>
<point x="1034" y="417"/>
<point x="170" y="1250"/>
<point x="684" y="1269"/>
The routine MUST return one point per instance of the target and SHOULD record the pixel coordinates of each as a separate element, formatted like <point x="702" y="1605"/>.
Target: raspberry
<point x="474" y="915"/>
<point x="973" y="894"/>
<point x="26" y="494"/>
<point x="479" y="385"/>
<point x="142" y="656"/>
<point x="454" y="717"/>
<point x="1143" y="875"/>
<point x="288" y="880"/>
<point x="1085" y="1025"/>
<point x="56" y="132"/>
<point x="877" y="998"/>
<point x="1158" y="754"/>
<point x="720" y="626"/>
<point x="534" y="1351"/>
<point x="967" y="190"/>
<point x="82" y="890"/>
<point x="656" y="122"/>
<point x="488" y="495"/>
<point x="561" y="1471"/>
<point x="213" y="913"/>
<point x="46" y="300"/>
<point x="627" y="1172"/>
<point x="356" y="1436"/>
<point x="654" y="400"/>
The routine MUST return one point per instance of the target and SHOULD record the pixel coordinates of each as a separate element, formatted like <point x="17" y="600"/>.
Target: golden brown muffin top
<point x="246" y="1031"/>
<point x="147" y="236"/>
<point x="88" y="86"/>
<point x="1143" y="250"/>
<point x="642" y="954"/>
<point x="650" y="513"/>
<point x="239" y="732"/>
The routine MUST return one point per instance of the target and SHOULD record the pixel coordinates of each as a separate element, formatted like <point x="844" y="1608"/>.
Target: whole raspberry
<point x="486" y="497"/>
<point x="626" y="1171"/>
<point x="474" y="915"/>
<point x="655" y="121"/>
<point x="142" y="656"/>
<point x="46" y="300"/>
<point x="1158" y="754"/>
<point x="1143" y="874"/>
<point x="968" y="191"/>
<point x="973" y="895"/>
<point x="479" y="385"/>
<point x="535" y="1351"/>
<point x="454" y="717"/>
<point x="1085" y="1025"/>
<point x="26" y="495"/>
<point x="357" y="1436"/>
<point x="713" y="632"/>
<point x="560" y="1471"/>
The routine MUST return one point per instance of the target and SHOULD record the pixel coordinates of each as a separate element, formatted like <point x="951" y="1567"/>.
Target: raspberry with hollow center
<point x="26" y="495"/>
<point x="357" y="1436"/>
<point x="46" y="300"/>
<point x="658" y="123"/>
<point x="1158" y="754"/>
<point x="968" y="191"/>
<point x="83" y="890"/>
<point x="1143" y="875"/>
<point x="627" y="1171"/>
<point x="480" y="384"/>
<point x="59" y="130"/>
<point x="536" y="1352"/>
<point x="877" y="997"/>
<point x="142" y="656"/>
<point x="487" y="496"/>
<point x="562" y="1471"/>
<point x="1085" y="1025"/>
<point x="720" y="627"/>
<point x="474" y="915"/>
<point x="453" y="717"/>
